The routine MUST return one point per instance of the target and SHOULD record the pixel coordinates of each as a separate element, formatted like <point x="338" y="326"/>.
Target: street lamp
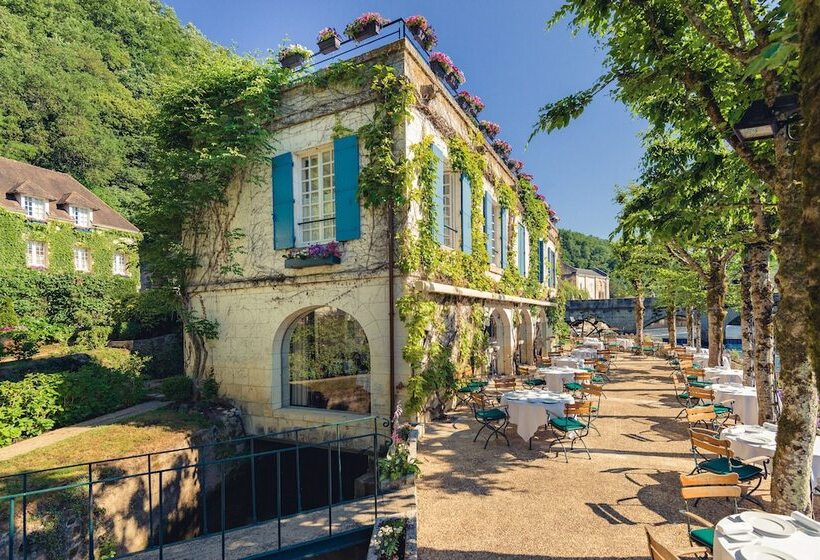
<point x="761" y="122"/>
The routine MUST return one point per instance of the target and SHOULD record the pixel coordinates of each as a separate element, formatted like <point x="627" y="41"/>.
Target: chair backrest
<point x="704" y="442"/>
<point x="657" y="551"/>
<point x="553" y="354"/>
<point x="544" y="362"/>
<point x="701" y="414"/>
<point x="505" y="383"/>
<point x="679" y="381"/>
<point x="583" y="376"/>
<point x="702" y="393"/>
<point x="708" y="485"/>
<point x="590" y="361"/>
<point x="601" y="367"/>
<point x="582" y="408"/>
<point x="694" y="371"/>
<point x="478" y="400"/>
<point x="526" y="369"/>
<point x="593" y="389"/>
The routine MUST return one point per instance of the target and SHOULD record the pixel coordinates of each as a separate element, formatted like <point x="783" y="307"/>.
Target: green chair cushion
<point x="683" y="395"/>
<point x="598" y="379"/>
<point x="593" y="408"/>
<point x="491" y="414"/>
<point x="704" y="536"/>
<point x="567" y="424"/>
<point x="572" y="386"/>
<point x="470" y="389"/>
<point x="721" y="465"/>
<point x="721" y="409"/>
<point x="701" y="384"/>
<point x="534" y="382"/>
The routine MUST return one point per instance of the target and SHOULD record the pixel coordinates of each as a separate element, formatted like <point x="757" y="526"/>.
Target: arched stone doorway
<point x="499" y="332"/>
<point x="542" y="340"/>
<point x="524" y="338"/>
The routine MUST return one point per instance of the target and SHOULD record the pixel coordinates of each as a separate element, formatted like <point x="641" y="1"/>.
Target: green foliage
<point x="8" y="316"/>
<point x="398" y="464"/>
<point x="586" y="251"/>
<point x="178" y="388"/>
<point x="209" y="391"/>
<point x="24" y="345"/>
<point x="78" y="83"/>
<point x="146" y="314"/>
<point x="42" y="401"/>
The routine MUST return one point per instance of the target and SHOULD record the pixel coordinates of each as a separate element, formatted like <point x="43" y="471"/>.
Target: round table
<point x="625" y="343"/>
<point x="557" y="376"/>
<point x="593" y="343"/>
<point x="567" y="362"/>
<point x="724" y="375"/>
<point x="799" y="544"/>
<point x="700" y="359"/>
<point x="745" y="449"/>
<point x="692" y="350"/>
<point x="584" y="354"/>
<point x="528" y="409"/>
<point x="745" y="398"/>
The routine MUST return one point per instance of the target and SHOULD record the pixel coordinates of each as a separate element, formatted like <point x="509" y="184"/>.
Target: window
<point x="328" y="362"/>
<point x="36" y="254"/>
<point x="81" y="216"/>
<point x="316" y="198"/>
<point x="120" y="264"/>
<point x="35" y="208"/>
<point x="496" y="234"/>
<point x="451" y="209"/>
<point x="81" y="261"/>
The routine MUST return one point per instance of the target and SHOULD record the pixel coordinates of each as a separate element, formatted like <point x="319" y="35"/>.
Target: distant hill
<point x="78" y="78"/>
<point x="587" y="251"/>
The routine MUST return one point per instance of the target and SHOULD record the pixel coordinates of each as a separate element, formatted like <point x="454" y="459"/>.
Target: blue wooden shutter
<point x="488" y="224"/>
<point x="553" y="269"/>
<point x="505" y="226"/>
<point x="522" y="250"/>
<point x="541" y="261"/>
<point x="466" y="214"/>
<point x="346" y="177"/>
<point x="438" y="195"/>
<point x="282" y="178"/>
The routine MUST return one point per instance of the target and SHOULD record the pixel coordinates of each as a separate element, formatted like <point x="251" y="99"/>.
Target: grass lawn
<point x="151" y="431"/>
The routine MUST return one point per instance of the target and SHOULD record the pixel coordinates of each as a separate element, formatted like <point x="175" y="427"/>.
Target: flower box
<point x="424" y="34"/>
<point x="312" y="261"/>
<point x="292" y="60"/>
<point x="368" y="30"/>
<point x="329" y="45"/>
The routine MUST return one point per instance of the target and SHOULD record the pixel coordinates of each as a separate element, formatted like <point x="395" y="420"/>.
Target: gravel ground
<point x="510" y="502"/>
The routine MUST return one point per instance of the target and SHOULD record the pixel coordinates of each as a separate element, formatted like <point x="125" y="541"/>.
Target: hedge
<point x="43" y="401"/>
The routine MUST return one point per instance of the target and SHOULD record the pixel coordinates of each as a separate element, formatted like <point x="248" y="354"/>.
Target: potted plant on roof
<point x="328" y="40"/>
<point x="319" y="254"/>
<point x="502" y="148"/>
<point x="444" y="68"/>
<point x="470" y="103"/>
<point x="293" y="56"/>
<point x="365" y="26"/>
<point x="489" y="128"/>
<point x="422" y="31"/>
<point x="526" y="176"/>
<point x="515" y="165"/>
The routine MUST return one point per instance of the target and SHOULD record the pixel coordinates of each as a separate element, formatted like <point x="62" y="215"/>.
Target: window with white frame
<point x="36" y="253"/>
<point x="35" y="208"/>
<point x="120" y="264"/>
<point x="315" y="197"/>
<point x="82" y="262"/>
<point x="80" y="216"/>
<point x="451" y="206"/>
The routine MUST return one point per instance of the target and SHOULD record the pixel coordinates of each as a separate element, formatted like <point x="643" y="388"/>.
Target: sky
<point x="509" y="59"/>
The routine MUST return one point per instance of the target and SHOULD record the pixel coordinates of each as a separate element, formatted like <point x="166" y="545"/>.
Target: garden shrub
<point x="179" y="388"/>
<point x="92" y="338"/>
<point x="210" y="388"/>
<point x="145" y="315"/>
<point x="8" y="316"/>
<point x="29" y="407"/>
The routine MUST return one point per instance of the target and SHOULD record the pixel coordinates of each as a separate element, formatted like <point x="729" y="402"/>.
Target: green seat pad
<point x="567" y="424"/>
<point x="721" y="409"/>
<point x="701" y="384"/>
<point x="534" y="382"/>
<point x="721" y="465"/>
<point x="704" y="536"/>
<point x="470" y="389"/>
<point x="598" y="379"/>
<point x="683" y="395"/>
<point x="594" y="409"/>
<point x="491" y="414"/>
<point x="572" y="386"/>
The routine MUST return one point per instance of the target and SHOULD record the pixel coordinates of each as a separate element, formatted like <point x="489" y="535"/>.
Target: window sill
<point x="319" y="415"/>
<point x="315" y="261"/>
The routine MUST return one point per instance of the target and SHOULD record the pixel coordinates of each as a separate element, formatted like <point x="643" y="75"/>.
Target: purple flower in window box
<point x="313" y="255"/>
<point x="365" y="26"/>
<point x="515" y="164"/>
<point x="525" y="176"/>
<point x="444" y="68"/>
<point x="489" y="128"/>
<point x="422" y="31"/>
<point x="502" y="148"/>
<point x="328" y="40"/>
<point x="470" y="103"/>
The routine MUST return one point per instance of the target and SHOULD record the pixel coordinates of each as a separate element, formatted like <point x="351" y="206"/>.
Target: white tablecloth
<point x="700" y="359"/>
<point x="747" y="450"/>
<point x="745" y="399"/>
<point x="625" y="343"/>
<point x="528" y="412"/>
<point x="568" y="361"/>
<point x="799" y="544"/>
<point x="692" y="350"/>
<point x="557" y="376"/>
<point x="584" y="353"/>
<point x="593" y="343"/>
<point x="724" y="375"/>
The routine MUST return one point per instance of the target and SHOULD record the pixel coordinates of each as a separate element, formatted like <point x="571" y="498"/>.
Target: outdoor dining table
<point x="692" y="350"/>
<point x="594" y="343"/>
<point x="528" y="409"/>
<point x="700" y="359"/>
<point x="625" y="343"/>
<point x="724" y="375"/>
<point x="745" y="405"/>
<point x="567" y="361"/>
<point x="556" y="376"/>
<point x="736" y="538"/>
<point x="584" y="353"/>
<point x="751" y="440"/>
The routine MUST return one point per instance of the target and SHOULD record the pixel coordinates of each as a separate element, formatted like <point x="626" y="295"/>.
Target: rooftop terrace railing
<point x="372" y="435"/>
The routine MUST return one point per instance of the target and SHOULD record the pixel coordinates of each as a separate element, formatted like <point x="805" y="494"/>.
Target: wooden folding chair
<point x="494" y="418"/>
<point x="681" y="393"/>
<point x="572" y="427"/>
<point x="593" y="394"/>
<point x="581" y="378"/>
<point x="700" y="396"/>
<point x="696" y="377"/>
<point x="706" y="485"/>
<point x="501" y="385"/>
<point x="657" y="551"/>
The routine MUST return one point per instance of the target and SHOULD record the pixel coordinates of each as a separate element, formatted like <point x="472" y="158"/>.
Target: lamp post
<point x="761" y="122"/>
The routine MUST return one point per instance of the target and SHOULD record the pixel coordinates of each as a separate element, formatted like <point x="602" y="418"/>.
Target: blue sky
<point x="510" y="61"/>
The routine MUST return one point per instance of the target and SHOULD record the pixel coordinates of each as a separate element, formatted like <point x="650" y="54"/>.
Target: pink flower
<point x="489" y="128"/>
<point x="448" y="66"/>
<point x="470" y="101"/>
<point x="525" y="176"/>
<point x="502" y="147"/>
<point x="326" y="33"/>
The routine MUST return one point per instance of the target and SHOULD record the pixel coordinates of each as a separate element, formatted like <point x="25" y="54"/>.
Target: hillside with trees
<point x="588" y="251"/>
<point x="79" y="79"/>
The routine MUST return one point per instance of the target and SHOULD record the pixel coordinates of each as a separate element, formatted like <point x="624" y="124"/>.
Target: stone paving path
<point x="38" y="442"/>
<point x="510" y="502"/>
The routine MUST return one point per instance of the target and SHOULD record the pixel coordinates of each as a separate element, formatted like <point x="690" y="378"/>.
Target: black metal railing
<point x="371" y="437"/>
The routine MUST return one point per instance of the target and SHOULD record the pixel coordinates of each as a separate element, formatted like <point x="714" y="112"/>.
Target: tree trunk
<point x="690" y="326"/>
<point x="716" y="308"/>
<point x="671" y="327"/>
<point x="639" y="309"/>
<point x="747" y="322"/>
<point x="762" y="310"/>
<point x="791" y="474"/>
<point x="698" y="333"/>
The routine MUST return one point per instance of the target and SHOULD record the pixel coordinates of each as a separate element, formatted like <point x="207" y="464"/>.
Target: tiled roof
<point x="59" y="189"/>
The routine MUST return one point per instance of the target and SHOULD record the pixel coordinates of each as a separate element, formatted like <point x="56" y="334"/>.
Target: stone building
<point x="593" y="281"/>
<point x="326" y="321"/>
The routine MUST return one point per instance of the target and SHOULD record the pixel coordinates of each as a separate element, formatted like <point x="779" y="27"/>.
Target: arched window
<point x="327" y="362"/>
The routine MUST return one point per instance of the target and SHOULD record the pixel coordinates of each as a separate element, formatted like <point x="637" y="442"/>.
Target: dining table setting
<point x="757" y="535"/>
<point x="527" y="409"/>
<point x="744" y="400"/>
<point x="724" y="375"/>
<point x="556" y="376"/>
